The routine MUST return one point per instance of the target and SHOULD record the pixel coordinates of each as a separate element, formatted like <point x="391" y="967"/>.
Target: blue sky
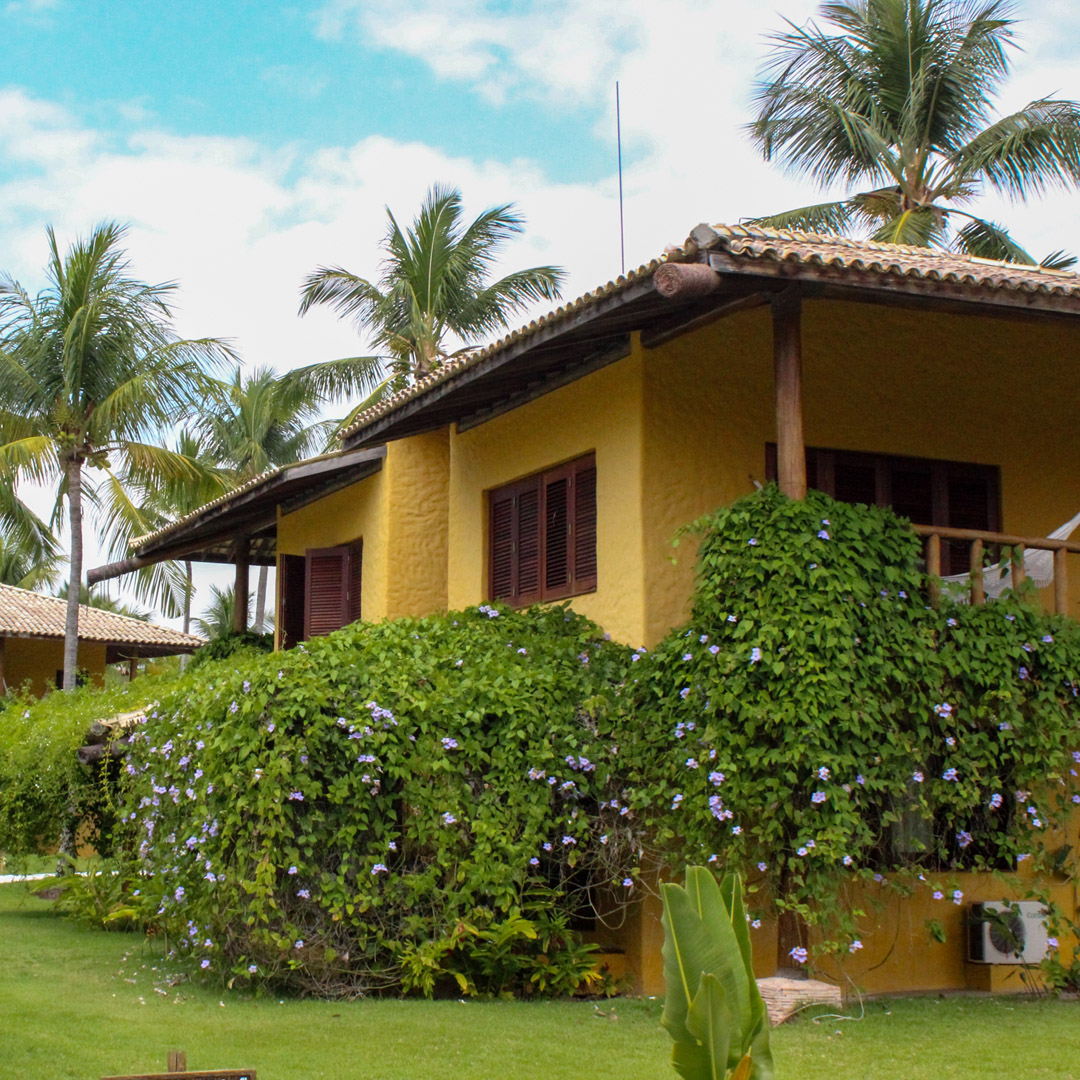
<point x="248" y="142"/>
<point x="264" y="71"/>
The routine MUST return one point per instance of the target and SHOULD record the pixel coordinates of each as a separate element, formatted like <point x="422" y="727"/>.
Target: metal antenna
<point x="618" y="140"/>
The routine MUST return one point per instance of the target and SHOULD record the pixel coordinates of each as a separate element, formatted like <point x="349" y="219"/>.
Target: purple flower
<point x="688" y="656"/>
<point x="818" y="797"/>
<point x="534" y="861"/>
<point x="801" y="852"/>
<point x="957" y="896"/>
<point x="233" y="707"/>
<point x="823" y="773"/>
<point x="714" y="649"/>
<point x="299" y="944"/>
<point x="379" y="868"/>
<point x="716" y="778"/>
<point x="691" y="763"/>
<point x="546" y="845"/>
<point x="684" y="692"/>
<point x="1023" y="673"/>
<point x="855" y="946"/>
<point x="628" y="882"/>
<point x="963" y="838"/>
<point x="448" y="743"/>
<point x="205" y="964"/>
<point x="848" y="860"/>
<point x="1047" y="639"/>
<point x="798" y="954"/>
<point x="179" y="894"/>
<point x="247" y="686"/>
<point x="752" y="542"/>
<point x="569" y="841"/>
<point x="950" y="774"/>
<point x="938" y="894"/>
<point x="736" y="830"/>
<point x="755" y="655"/>
<point x="252" y="968"/>
<point x="303" y="894"/>
<point x="755" y="924"/>
<point x="448" y="818"/>
<point x="944" y="709"/>
<point x="1051" y="942"/>
<point x="917" y="777"/>
<point x="296" y="796"/>
<point x="860" y="779"/>
<point x="291" y="870"/>
<point x="762" y="867"/>
<point x="823" y="535"/>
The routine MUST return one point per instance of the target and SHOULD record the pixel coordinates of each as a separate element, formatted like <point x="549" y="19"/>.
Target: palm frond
<point x="1058" y="260"/>
<point x="1029" y="151"/>
<point x="917" y="228"/>
<point x="830" y="217"/>
<point x="985" y="240"/>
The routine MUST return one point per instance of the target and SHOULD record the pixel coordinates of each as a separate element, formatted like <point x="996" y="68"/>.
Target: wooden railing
<point x="978" y="541"/>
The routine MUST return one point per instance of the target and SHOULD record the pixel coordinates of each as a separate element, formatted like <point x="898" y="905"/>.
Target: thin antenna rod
<point x="618" y="139"/>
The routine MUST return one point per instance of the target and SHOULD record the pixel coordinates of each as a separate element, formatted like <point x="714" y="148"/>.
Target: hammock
<point x="1038" y="565"/>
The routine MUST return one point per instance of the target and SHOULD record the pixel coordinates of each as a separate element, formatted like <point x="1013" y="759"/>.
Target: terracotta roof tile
<point x="29" y="614"/>
<point x="754" y="242"/>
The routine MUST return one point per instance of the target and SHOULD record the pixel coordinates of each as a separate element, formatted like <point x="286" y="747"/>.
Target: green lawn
<point x="76" y="1003"/>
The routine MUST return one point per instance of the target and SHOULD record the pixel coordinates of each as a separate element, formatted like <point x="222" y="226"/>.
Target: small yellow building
<point x="32" y="640"/>
<point x="559" y="462"/>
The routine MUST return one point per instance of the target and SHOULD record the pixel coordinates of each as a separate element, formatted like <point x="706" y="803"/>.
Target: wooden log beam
<point x="1061" y="581"/>
<point x="933" y="566"/>
<point x="975" y="566"/>
<point x="682" y="281"/>
<point x="240" y="612"/>
<point x="87" y="755"/>
<point x="787" y="367"/>
<point x="1043" y="543"/>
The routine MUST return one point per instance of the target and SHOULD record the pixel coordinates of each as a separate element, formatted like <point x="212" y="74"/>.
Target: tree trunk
<point x="260" y="600"/>
<point x="71" y="626"/>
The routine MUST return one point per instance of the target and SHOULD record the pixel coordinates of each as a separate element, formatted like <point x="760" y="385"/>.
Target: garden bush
<point x="817" y="722"/>
<point x="43" y="788"/>
<point x="410" y="805"/>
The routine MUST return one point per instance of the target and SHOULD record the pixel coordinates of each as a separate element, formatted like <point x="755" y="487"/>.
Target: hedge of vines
<point x="816" y="721"/>
<point x="410" y="805"/>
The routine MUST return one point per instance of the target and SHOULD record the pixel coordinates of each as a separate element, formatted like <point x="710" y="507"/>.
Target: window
<point x="320" y="592"/>
<point x="542" y="543"/>
<point x="926" y="490"/>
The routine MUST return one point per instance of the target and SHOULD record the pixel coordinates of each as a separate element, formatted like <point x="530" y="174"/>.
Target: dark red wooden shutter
<point x="584" y="526"/>
<point x="502" y="545"/>
<point x="327" y="589"/>
<point x="356" y="566"/>
<point x="558" y="570"/>
<point x="529" y="538"/>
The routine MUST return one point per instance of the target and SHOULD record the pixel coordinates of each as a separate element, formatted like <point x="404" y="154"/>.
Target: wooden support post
<point x="933" y="566"/>
<point x="240" y="613"/>
<point x="1019" y="571"/>
<point x="787" y="373"/>
<point x="133" y="668"/>
<point x="1061" y="581"/>
<point x="177" y="1061"/>
<point x="3" y="669"/>
<point x="975" y="565"/>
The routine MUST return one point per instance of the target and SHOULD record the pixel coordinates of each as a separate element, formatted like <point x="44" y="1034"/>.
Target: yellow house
<point x="32" y="640"/>
<point x="560" y="461"/>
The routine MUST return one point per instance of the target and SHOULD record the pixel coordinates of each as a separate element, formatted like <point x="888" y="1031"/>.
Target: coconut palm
<point x="30" y="557"/>
<point x="91" y="373"/>
<point x="264" y="420"/>
<point x="895" y="98"/>
<point x="434" y="285"/>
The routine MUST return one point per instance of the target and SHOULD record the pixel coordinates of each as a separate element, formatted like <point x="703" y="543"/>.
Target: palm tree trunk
<point x="260" y="600"/>
<point x="71" y="625"/>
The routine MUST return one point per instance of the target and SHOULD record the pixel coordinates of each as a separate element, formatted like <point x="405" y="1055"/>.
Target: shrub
<point x="816" y="720"/>
<point x="43" y="788"/>
<point x="378" y="808"/>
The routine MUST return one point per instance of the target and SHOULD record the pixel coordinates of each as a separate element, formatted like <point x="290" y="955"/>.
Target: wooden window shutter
<point x="542" y="535"/>
<point x="584" y="534"/>
<point x="327" y="589"/>
<point x="557" y="539"/>
<point x="529" y="538"/>
<point x="356" y="566"/>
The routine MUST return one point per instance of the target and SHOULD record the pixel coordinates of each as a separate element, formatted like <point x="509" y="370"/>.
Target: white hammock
<point x="1038" y="566"/>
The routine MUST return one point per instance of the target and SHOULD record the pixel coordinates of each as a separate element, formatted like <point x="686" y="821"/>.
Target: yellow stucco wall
<point x="37" y="660"/>
<point x="601" y="412"/>
<point x="401" y="515"/>
<point x="987" y="391"/>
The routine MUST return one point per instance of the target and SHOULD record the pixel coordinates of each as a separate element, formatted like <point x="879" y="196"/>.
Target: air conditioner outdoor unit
<point x="1007" y="933"/>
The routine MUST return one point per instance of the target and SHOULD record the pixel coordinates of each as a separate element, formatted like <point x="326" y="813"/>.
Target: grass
<point x="80" y="1003"/>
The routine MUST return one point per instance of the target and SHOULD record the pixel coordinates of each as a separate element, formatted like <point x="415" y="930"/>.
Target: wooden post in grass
<point x="177" y="1061"/>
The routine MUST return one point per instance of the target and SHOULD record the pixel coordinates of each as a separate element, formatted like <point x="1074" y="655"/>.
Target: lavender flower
<point x="798" y="954"/>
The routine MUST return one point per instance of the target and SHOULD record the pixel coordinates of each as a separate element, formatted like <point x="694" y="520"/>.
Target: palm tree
<point x="900" y="99"/>
<point x="263" y="421"/>
<point x="90" y="370"/>
<point x="434" y="284"/>
<point x="217" y="620"/>
<point x="30" y="557"/>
